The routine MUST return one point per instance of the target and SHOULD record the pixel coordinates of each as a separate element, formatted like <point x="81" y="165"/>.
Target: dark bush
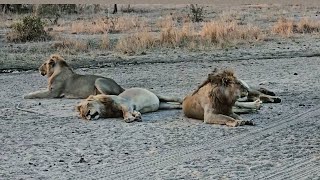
<point x="16" y="8"/>
<point x="197" y="13"/>
<point x="30" y="29"/>
<point x="49" y="10"/>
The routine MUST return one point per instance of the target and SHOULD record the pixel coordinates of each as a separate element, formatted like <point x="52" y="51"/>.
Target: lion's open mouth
<point x="43" y="73"/>
<point x="89" y="116"/>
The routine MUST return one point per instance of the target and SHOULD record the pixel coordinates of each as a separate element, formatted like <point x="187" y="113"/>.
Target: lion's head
<point x="98" y="106"/>
<point x="225" y="88"/>
<point x="48" y="67"/>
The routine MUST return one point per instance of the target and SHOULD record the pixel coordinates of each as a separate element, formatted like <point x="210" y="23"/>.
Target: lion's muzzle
<point x="89" y="116"/>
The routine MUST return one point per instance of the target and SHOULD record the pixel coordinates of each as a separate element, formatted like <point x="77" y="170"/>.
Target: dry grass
<point x="177" y="37"/>
<point x="307" y="25"/>
<point x="105" y="42"/>
<point x="223" y="33"/>
<point x="283" y="27"/>
<point x="70" y="45"/>
<point x="287" y="27"/>
<point x="211" y="34"/>
<point x="166" y="22"/>
<point x="108" y="25"/>
<point x="136" y="43"/>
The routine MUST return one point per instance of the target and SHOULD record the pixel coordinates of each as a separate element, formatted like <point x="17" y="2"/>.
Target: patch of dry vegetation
<point x="177" y="37"/>
<point x="105" y="42"/>
<point x="287" y="27"/>
<point x="223" y="33"/>
<point x="136" y="43"/>
<point x="71" y="45"/>
<point x="212" y="34"/>
<point x="107" y="25"/>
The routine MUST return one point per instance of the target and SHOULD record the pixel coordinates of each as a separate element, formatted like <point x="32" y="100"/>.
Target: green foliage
<point x="197" y="13"/>
<point x="30" y="29"/>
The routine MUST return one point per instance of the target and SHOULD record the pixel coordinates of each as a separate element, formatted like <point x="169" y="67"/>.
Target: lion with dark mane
<point x="63" y="82"/>
<point x="215" y="99"/>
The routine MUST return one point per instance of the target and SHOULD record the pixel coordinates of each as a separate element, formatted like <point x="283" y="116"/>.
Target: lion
<point x="63" y="82"/>
<point x="215" y="100"/>
<point x="130" y="104"/>
<point x="262" y="94"/>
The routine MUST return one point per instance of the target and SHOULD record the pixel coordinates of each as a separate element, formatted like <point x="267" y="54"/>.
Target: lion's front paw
<point x="234" y="123"/>
<point x="129" y="119"/>
<point x="137" y="116"/>
<point x="240" y="123"/>
<point x="276" y="100"/>
<point x="258" y="104"/>
<point x="249" y="122"/>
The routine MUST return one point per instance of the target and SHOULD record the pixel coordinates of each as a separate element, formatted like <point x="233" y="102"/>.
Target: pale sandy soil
<point x="55" y="144"/>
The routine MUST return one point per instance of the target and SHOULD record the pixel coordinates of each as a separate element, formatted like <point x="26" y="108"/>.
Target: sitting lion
<point x="63" y="82"/>
<point x="129" y="105"/>
<point x="215" y="99"/>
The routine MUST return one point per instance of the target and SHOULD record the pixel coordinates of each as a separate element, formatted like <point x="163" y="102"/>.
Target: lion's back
<point x="145" y="100"/>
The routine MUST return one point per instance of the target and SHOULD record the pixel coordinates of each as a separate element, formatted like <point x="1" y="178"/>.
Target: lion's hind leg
<point x="266" y="91"/>
<point x="238" y="110"/>
<point x="255" y="94"/>
<point x="249" y="105"/>
<point x="165" y="105"/>
<point x="108" y="86"/>
<point x="269" y="99"/>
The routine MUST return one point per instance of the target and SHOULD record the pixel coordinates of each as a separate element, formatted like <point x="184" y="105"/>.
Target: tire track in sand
<point x="295" y="170"/>
<point x="143" y="167"/>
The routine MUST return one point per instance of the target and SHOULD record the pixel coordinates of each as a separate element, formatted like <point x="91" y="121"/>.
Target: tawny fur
<point x="213" y="101"/>
<point x="130" y="104"/>
<point x="63" y="82"/>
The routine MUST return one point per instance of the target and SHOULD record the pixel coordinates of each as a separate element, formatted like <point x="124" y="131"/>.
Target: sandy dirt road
<point x="55" y="144"/>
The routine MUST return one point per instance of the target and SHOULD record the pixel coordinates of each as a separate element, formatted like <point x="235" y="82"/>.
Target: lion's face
<point x="90" y="108"/>
<point x="47" y="68"/>
<point x="228" y="87"/>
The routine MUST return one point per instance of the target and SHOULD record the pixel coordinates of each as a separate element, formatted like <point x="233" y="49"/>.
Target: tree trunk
<point x="115" y="9"/>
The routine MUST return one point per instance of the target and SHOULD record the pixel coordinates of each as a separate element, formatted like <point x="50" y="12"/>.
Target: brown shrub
<point x="177" y="37"/>
<point x="222" y="33"/>
<point x="283" y="27"/>
<point x="286" y="27"/>
<point x="307" y="25"/>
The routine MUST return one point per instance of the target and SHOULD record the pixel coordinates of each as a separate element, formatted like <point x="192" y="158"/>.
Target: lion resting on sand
<point x="63" y="82"/>
<point x="129" y="105"/>
<point x="214" y="100"/>
<point x="262" y="94"/>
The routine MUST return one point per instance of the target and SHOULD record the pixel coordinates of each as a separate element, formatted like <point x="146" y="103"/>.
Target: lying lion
<point x="63" y="82"/>
<point x="214" y="101"/>
<point x="129" y="105"/>
<point x="262" y="94"/>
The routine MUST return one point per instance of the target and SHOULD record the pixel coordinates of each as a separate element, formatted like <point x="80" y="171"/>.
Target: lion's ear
<point x="51" y="61"/>
<point x="55" y="57"/>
